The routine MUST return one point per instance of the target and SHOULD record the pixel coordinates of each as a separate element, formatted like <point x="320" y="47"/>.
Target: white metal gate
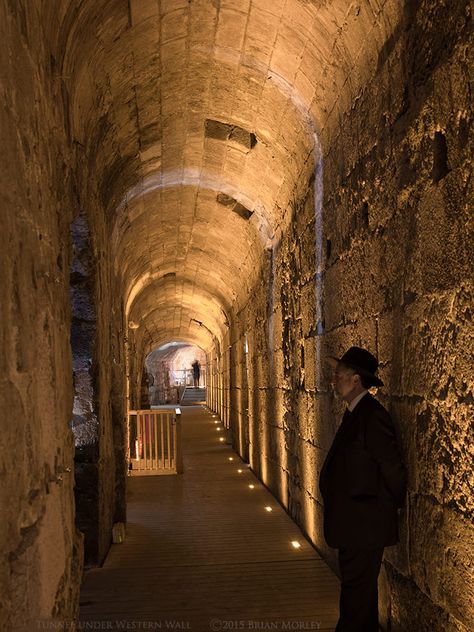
<point x="155" y="442"/>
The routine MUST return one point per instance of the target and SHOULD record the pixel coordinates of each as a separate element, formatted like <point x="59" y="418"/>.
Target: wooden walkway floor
<point x="202" y="553"/>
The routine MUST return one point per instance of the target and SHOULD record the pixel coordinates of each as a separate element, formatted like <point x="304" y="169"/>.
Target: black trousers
<point x="358" y="604"/>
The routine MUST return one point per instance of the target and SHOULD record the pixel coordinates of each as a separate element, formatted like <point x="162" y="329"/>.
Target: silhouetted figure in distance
<point x="196" y="372"/>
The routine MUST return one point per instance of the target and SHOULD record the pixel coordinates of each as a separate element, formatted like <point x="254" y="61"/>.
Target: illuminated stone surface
<point x="339" y="134"/>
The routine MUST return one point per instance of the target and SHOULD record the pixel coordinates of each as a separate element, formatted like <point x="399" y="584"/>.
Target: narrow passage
<point x="203" y="553"/>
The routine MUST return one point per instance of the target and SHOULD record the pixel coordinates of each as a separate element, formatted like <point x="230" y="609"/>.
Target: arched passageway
<point x="171" y="372"/>
<point x="270" y="181"/>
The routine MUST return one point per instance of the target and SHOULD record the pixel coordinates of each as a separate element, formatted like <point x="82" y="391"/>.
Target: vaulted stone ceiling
<point x="197" y="119"/>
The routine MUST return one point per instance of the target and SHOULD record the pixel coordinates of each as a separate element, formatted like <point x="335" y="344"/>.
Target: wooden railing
<point x="155" y="442"/>
<point x="185" y="377"/>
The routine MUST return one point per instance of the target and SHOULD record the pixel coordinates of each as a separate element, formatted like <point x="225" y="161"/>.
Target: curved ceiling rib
<point x="189" y="232"/>
<point x="179" y="293"/>
<point x="161" y="338"/>
<point x="135" y="200"/>
<point x="152" y="284"/>
<point x="177" y="324"/>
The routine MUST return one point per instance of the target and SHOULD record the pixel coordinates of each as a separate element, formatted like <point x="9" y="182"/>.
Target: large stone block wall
<point x="397" y="278"/>
<point x="98" y="164"/>
<point x="40" y="549"/>
<point x="47" y="184"/>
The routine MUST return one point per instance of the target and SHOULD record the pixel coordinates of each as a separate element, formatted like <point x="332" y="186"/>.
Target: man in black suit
<point x="362" y="482"/>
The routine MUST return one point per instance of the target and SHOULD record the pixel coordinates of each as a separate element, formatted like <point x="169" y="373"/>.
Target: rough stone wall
<point x="397" y="278"/>
<point x="40" y="550"/>
<point x="80" y="35"/>
<point x="85" y="421"/>
<point x="102" y="459"/>
<point x="98" y="397"/>
<point x="277" y="378"/>
<point x="212" y="381"/>
<point x="134" y="372"/>
<point x="219" y="366"/>
<point x="109" y="371"/>
<point x="239" y="394"/>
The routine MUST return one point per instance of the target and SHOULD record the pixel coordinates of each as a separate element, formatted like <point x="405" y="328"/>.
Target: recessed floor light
<point x="240" y="471"/>
<point x="268" y="509"/>
<point x="221" y="438"/>
<point x="251" y="486"/>
<point x="295" y="544"/>
<point x="231" y="458"/>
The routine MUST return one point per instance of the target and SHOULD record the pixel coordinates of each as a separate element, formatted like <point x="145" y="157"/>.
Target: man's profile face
<point x="344" y="380"/>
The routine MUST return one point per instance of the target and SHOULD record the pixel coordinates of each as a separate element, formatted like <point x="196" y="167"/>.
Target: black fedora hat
<point x="361" y="361"/>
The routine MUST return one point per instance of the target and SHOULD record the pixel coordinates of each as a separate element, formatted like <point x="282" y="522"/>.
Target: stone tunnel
<point x="271" y="182"/>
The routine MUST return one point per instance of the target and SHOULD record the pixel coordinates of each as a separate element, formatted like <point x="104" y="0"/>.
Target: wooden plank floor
<point x="202" y="553"/>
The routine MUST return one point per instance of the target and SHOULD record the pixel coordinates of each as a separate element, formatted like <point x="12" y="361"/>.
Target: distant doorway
<point x="170" y="371"/>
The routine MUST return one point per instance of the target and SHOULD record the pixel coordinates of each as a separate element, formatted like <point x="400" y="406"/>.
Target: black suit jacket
<point x="363" y="480"/>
